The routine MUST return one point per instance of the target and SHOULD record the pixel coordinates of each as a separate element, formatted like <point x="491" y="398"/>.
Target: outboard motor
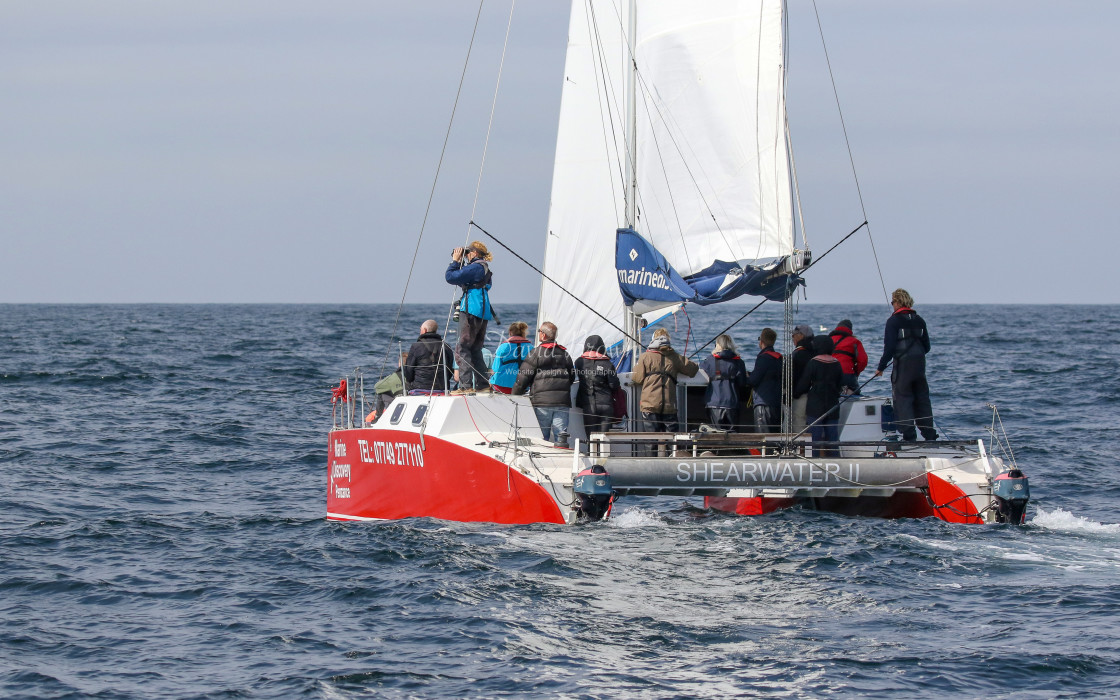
<point x="1012" y="492"/>
<point x="593" y="491"/>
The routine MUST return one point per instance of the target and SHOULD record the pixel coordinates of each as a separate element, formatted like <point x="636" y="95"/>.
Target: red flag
<point x="338" y="393"/>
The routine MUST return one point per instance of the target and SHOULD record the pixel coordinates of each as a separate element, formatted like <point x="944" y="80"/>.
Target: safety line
<point x="542" y="274"/>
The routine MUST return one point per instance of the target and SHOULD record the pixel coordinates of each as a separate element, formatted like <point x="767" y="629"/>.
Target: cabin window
<point x="418" y="417"/>
<point x="397" y="413"/>
<point x="870" y="410"/>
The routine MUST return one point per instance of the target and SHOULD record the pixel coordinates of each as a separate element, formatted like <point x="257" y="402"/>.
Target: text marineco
<point x="644" y="277"/>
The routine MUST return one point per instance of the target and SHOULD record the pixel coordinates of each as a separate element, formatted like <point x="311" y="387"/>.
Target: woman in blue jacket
<point x="470" y="270"/>
<point x="727" y="379"/>
<point x="509" y="356"/>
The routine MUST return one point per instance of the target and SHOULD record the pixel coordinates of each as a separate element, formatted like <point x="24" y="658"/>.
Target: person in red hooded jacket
<point x="848" y="350"/>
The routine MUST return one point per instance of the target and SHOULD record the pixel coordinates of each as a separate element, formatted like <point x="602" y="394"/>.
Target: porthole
<point x="397" y="413"/>
<point x="418" y="417"/>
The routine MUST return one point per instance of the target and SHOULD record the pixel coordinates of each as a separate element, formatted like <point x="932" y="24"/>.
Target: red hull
<point x="952" y="505"/>
<point x="387" y="475"/>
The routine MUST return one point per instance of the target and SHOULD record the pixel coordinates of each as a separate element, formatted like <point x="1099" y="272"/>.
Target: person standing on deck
<point x="802" y="352"/>
<point x="656" y="372"/>
<point x="470" y="270"/>
<point x="906" y="342"/>
<point x="850" y="353"/>
<point x="727" y="378"/>
<point x="821" y="383"/>
<point x="547" y="374"/>
<point x="597" y="384"/>
<point x="766" y="378"/>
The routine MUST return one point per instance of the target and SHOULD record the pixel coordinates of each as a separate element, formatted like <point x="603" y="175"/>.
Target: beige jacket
<point x="656" y="371"/>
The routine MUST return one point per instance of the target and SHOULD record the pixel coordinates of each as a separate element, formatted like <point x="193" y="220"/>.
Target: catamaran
<point x="673" y="184"/>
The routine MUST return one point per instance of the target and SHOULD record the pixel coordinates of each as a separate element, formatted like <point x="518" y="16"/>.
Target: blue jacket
<point x="475" y="279"/>
<point x="508" y="359"/>
<point x="727" y="377"/>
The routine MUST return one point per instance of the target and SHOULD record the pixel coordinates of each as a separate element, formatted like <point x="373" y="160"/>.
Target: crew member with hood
<point x="428" y="365"/>
<point x="656" y="372"/>
<point x="470" y="270"/>
<point x="802" y="352"/>
<point x="906" y="342"/>
<point x="597" y="384"/>
<point x="547" y="374"/>
<point x="822" y="381"/>
<point x="727" y="378"/>
<point x="509" y="356"/>
<point x="849" y="351"/>
<point x="766" y="378"/>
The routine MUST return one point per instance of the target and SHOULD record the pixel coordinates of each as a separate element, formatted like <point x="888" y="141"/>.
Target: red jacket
<point x="848" y="350"/>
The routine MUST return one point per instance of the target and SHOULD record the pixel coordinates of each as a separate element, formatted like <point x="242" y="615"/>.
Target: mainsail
<point x="712" y="183"/>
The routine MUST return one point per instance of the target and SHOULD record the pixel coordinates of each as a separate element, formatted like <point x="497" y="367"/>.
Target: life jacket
<point x="719" y="373"/>
<point x="518" y="357"/>
<point x="910" y="332"/>
<point x="476" y="297"/>
<point x="661" y="372"/>
<point x="847" y="345"/>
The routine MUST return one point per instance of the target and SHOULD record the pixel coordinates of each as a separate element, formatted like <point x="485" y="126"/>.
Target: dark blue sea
<point x="162" y="533"/>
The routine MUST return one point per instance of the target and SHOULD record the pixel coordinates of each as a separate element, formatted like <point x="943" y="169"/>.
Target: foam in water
<point x="635" y="517"/>
<point x="1068" y="522"/>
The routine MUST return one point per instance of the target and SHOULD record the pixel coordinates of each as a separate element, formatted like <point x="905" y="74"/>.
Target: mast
<point x="633" y="321"/>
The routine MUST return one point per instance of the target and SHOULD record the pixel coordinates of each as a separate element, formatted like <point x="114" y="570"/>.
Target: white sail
<point x="711" y="159"/>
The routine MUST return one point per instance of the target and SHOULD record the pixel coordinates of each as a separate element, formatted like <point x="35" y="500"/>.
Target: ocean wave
<point x="1064" y="521"/>
<point x="634" y="516"/>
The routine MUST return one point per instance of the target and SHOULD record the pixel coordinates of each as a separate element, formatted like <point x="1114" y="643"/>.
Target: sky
<point x="277" y="151"/>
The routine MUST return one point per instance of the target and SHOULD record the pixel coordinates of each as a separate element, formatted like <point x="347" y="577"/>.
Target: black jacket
<point x="800" y="357"/>
<point x="905" y="335"/>
<point x="596" y="379"/>
<point x="549" y="373"/>
<point x="822" y="379"/>
<point x="766" y="378"/>
<point x="597" y="383"/>
<point x="429" y="363"/>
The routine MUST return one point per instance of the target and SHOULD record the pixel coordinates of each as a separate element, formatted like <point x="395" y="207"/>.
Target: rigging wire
<point x="432" y="192"/>
<point x="667" y="121"/>
<point x="485" y="146"/>
<point x="764" y="300"/>
<point x="562" y="289"/>
<point x="848" y="144"/>
<point x="607" y="88"/>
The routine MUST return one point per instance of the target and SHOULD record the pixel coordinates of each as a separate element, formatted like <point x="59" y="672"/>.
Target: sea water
<point x="162" y="532"/>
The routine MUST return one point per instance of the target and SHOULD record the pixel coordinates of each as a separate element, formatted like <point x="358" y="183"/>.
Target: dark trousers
<point x="910" y="397"/>
<point x="723" y="418"/>
<point x="764" y="419"/>
<point x="468" y="352"/>
<point x="850" y="381"/>
<point x="596" y="424"/>
<point x="827" y="430"/>
<point x="659" y="423"/>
